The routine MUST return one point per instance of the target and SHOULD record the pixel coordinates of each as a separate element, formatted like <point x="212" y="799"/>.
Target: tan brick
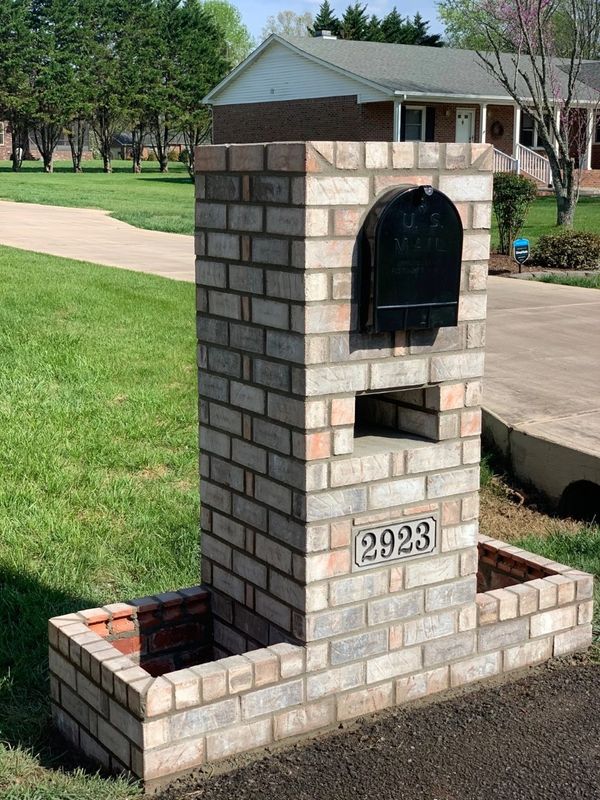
<point x="555" y="620"/>
<point x="273" y="698"/>
<point x="440" y="651"/>
<point x="348" y="155"/>
<point x="339" y="190"/>
<point x="508" y="603"/>
<point x="334" y="681"/>
<point x="429" y="627"/>
<point x="173" y="759"/>
<point x="528" y="597"/>
<point x="291" y="659"/>
<point x="214" y="681"/>
<point x="422" y="684"/>
<point x="580" y="638"/>
<point x="238" y="740"/>
<point x="431" y="570"/>
<point x="303" y="720"/>
<point x="547" y="592"/>
<point x="475" y="669"/>
<point x="488" y="607"/>
<point x="565" y="587"/>
<point x="393" y="664"/>
<point x="523" y="655"/>
<point x="585" y="612"/>
<point x="365" y="701"/>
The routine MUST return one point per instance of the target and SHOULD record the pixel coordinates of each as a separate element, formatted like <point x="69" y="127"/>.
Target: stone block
<point x="577" y="639"/>
<point x="552" y="621"/>
<point x="475" y="669"/>
<point x="396" y="607"/>
<point x="303" y="720"/>
<point x="394" y="664"/>
<point x="334" y="681"/>
<point x="365" y="701"/>
<point x="333" y="623"/>
<point x="503" y="634"/>
<point x="338" y="190"/>
<point x="272" y="698"/>
<point x="421" y="684"/>
<point x="431" y="570"/>
<point x="451" y="648"/>
<point x="357" y="588"/>
<point x="432" y="626"/>
<point x="453" y="593"/>
<point x="524" y="655"/>
<point x="360" y="646"/>
<point x="238" y="740"/>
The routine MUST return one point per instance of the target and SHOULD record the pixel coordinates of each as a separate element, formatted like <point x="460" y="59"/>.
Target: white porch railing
<point x="528" y="161"/>
<point x="534" y="164"/>
<point x="504" y="163"/>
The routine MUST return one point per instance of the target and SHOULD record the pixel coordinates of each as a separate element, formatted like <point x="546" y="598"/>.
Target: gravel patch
<point x="536" y="738"/>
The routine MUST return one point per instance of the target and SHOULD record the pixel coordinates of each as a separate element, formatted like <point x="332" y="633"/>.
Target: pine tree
<point x="325" y="21"/>
<point x="393" y="28"/>
<point x="355" y="22"/>
<point x="417" y="33"/>
<point x="373" y="32"/>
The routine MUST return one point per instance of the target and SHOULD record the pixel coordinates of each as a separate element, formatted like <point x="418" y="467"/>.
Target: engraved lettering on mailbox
<point x="393" y="542"/>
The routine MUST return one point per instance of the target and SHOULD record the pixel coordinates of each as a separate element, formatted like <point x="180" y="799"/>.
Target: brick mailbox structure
<point x="339" y="486"/>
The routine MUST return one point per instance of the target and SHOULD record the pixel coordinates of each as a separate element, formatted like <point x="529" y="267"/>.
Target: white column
<point x="482" y="122"/>
<point x="516" y="129"/>
<point x="591" y="125"/>
<point x="397" y="120"/>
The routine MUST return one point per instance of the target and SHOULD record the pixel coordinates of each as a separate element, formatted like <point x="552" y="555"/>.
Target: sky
<point x="255" y="13"/>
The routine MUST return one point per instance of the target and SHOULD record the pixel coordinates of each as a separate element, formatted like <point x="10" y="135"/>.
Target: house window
<point x="1" y="134"/>
<point x="597" y="134"/>
<point x="414" y="125"/>
<point x="529" y="131"/>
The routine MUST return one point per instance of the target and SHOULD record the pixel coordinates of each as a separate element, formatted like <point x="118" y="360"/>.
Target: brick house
<point x="306" y="88"/>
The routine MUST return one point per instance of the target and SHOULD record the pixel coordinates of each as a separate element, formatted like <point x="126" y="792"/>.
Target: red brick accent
<point x="499" y="568"/>
<point x="505" y="116"/>
<point x="301" y="120"/>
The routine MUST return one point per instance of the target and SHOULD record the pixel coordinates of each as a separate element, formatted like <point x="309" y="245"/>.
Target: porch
<point x="512" y="132"/>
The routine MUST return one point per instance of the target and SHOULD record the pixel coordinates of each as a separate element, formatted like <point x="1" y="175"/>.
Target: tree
<point x="326" y="20"/>
<point x="373" y="32"/>
<point x="418" y="33"/>
<point x="288" y="23"/>
<point x="542" y="87"/>
<point x="15" y="88"/>
<point x="237" y="38"/>
<point x="203" y="60"/>
<point x="109" y="99"/>
<point x="465" y="22"/>
<point x="354" y="22"/>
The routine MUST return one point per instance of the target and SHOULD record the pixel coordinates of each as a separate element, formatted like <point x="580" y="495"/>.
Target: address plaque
<point x="394" y="542"/>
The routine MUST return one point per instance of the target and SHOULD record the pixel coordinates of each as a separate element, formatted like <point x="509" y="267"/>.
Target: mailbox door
<point x="417" y="261"/>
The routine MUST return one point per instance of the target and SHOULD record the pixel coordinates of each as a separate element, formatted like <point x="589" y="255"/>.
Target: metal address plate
<point x="394" y="542"/>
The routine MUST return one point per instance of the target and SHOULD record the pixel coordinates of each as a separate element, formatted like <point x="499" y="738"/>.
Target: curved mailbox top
<point x="410" y="261"/>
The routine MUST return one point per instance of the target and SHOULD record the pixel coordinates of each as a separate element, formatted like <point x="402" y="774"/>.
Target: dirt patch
<point x="531" y="739"/>
<point x="509" y="513"/>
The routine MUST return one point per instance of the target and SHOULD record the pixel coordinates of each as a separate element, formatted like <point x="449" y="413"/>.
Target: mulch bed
<point x="536" y="738"/>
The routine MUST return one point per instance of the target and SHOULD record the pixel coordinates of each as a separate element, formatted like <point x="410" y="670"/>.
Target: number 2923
<point x="393" y="542"/>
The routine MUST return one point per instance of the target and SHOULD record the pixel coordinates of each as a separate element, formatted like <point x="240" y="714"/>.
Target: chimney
<point x="323" y="34"/>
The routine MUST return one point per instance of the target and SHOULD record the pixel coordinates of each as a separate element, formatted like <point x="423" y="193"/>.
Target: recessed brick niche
<point x="339" y="487"/>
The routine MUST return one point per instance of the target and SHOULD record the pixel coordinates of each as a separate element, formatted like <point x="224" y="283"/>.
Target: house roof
<point x="414" y="70"/>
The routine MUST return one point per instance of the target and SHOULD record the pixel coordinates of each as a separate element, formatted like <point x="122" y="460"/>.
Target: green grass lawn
<point x="150" y="200"/>
<point x="98" y="454"/>
<point x="585" y="281"/>
<point x="542" y="218"/>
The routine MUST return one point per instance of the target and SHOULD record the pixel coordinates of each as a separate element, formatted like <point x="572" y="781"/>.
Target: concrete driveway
<point x="542" y="381"/>
<point x="89" y="235"/>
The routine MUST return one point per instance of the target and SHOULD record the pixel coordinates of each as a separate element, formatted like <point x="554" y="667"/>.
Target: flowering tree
<point x="522" y="41"/>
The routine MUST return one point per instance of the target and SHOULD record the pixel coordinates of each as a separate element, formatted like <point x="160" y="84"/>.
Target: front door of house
<point x="465" y="118"/>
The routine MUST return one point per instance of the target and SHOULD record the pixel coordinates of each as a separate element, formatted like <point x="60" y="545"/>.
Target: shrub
<point x="173" y="155"/>
<point x="513" y="195"/>
<point x="151" y="156"/>
<point x="184" y="157"/>
<point x="568" y="250"/>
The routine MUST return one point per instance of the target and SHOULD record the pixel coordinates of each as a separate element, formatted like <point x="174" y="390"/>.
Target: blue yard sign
<point x="521" y="251"/>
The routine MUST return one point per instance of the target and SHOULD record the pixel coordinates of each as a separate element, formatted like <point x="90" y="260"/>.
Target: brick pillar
<point x="284" y="479"/>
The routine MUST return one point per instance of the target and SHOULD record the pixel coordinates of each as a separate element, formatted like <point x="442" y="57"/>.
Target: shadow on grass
<point x="166" y="179"/>
<point x="26" y="604"/>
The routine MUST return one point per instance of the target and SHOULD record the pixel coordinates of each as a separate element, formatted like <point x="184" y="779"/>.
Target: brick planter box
<point x="130" y="690"/>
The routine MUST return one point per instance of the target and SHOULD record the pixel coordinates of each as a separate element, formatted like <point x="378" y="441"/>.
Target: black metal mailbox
<point x="410" y="259"/>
